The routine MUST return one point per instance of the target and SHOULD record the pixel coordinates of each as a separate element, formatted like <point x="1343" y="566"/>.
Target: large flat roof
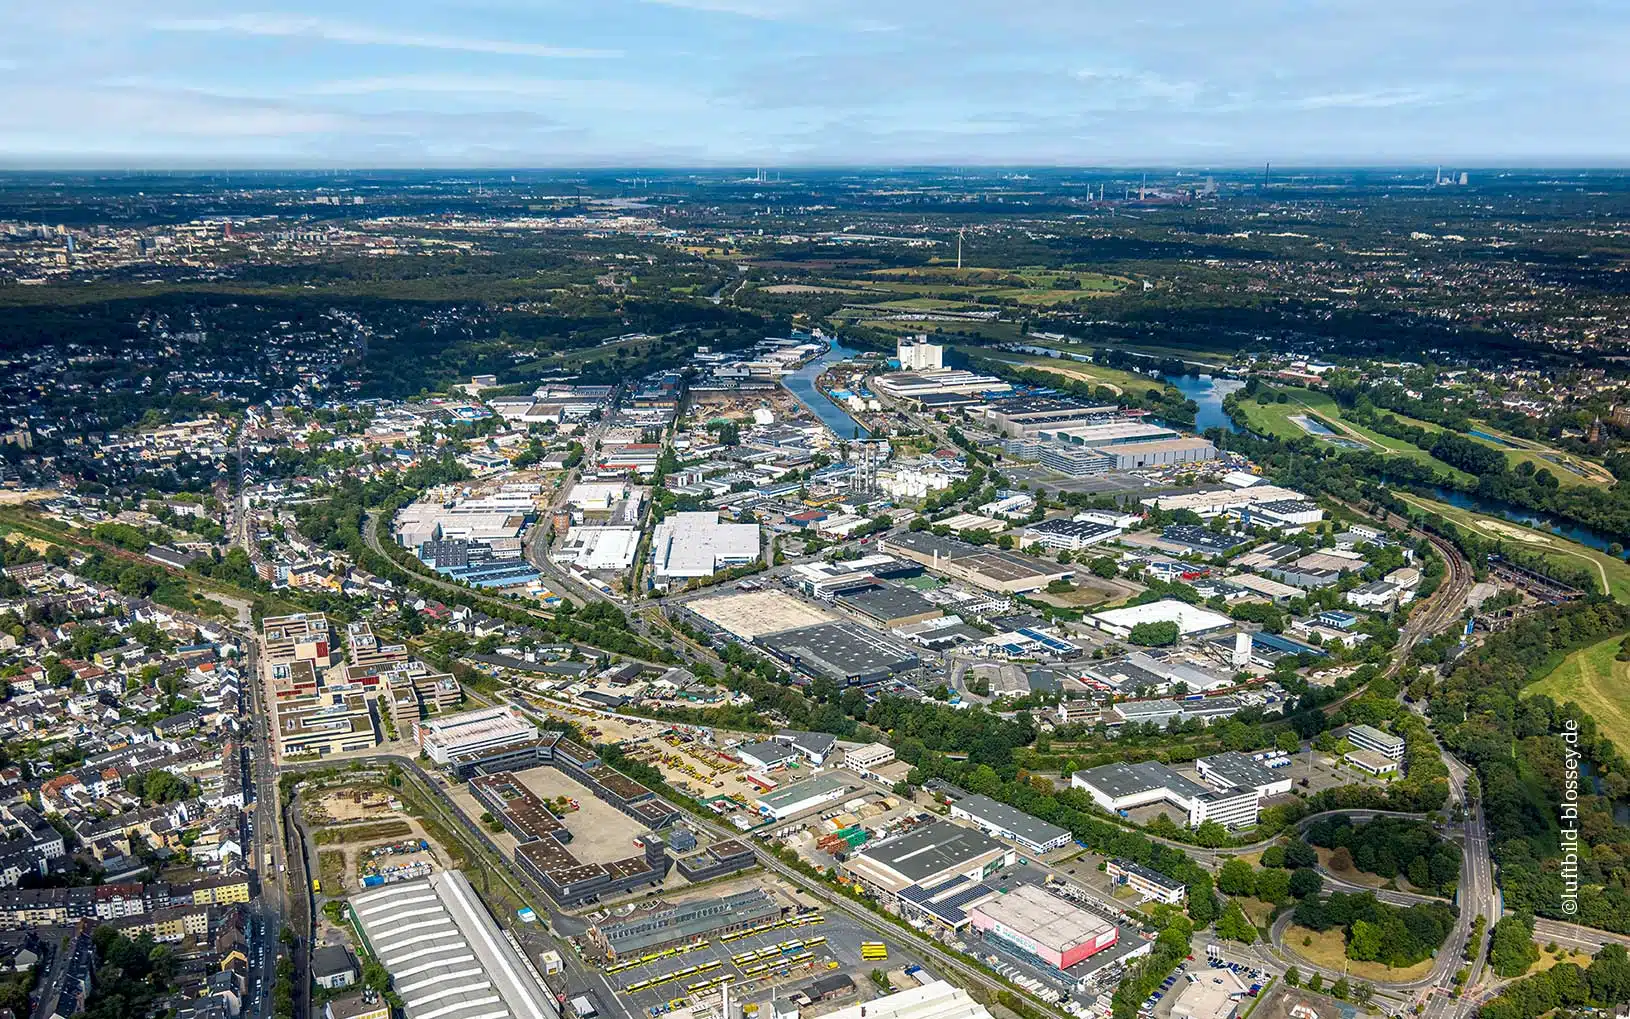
<point x="1012" y="819"/>
<point x="446" y="956"/>
<point x="1120" y="780"/>
<point x="1189" y="618"/>
<point x="758" y="613"/>
<point x="842" y="650"/>
<point x="931" y="850"/>
<point x="1045" y="918"/>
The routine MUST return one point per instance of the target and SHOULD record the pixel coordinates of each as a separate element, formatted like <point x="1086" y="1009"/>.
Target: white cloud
<point x="279" y="26"/>
<point x="1367" y="100"/>
<point x="762" y="10"/>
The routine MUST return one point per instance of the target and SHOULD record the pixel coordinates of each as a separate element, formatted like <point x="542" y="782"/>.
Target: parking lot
<point x="838" y="950"/>
<point x="1159" y="1004"/>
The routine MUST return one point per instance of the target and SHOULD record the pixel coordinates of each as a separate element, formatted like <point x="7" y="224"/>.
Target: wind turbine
<point x="959" y="231"/>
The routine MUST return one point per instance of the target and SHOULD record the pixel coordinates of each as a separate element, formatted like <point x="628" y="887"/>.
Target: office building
<point x="1149" y="883"/>
<point x="1070" y="535"/>
<point x="1121" y="787"/>
<point x="444" y="737"/>
<point x="1367" y="737"/>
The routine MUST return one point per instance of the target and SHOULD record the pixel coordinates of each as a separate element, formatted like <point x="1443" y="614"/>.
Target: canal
<point x="801" y="384"/>
<point x="1588" y="536"/>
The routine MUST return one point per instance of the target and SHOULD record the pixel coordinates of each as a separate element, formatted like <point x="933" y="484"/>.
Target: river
<point x="1208" y="393"/>
<point x="1518" y="515"/>
<point x="801" y="384"/>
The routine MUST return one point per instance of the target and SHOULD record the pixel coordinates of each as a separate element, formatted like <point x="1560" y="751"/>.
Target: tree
<point x="1316" y="983"/>
<point x="1104" y="566"/>
<point x="1234" y="925"/>
<point x="1236" y="878"/>
<point x="1364" y="944"/>
<point x="1305" y="882"/>
<point x="1340" y="988"/>
<point x="1511" y="947"/>
<point x="1160" y="634"/>
<point x="1341" y="859"/>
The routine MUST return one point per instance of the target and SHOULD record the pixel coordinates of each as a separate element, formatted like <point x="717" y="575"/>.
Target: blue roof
<point x="1274" y="642"/>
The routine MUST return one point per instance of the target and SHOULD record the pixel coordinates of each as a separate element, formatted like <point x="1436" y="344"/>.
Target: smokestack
<point x="1242" y="650"/>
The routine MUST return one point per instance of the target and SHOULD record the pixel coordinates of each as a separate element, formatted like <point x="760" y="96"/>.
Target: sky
<point x="542" y="83"/>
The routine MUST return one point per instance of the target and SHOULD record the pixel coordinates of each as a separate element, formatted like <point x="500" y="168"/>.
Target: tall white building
<point x="917" y="354"/>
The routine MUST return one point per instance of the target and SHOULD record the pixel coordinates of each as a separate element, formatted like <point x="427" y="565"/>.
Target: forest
<point x="1391" y="847"/>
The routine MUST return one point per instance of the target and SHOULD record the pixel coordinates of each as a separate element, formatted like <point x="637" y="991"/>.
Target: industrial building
<point x="1071" y="535"/>
<point x="685" y="546"/>
<point x="1040" y="924"/>
<point x="1368" y="737"/>
<point x="1121" y="787"/>
<point x="654" y="929"/>
<point x="846" y="653"/>
<point x="887" y="606"/>
<point x="1026" y="416"/>
<point x="864" y="761"/>
<point x="792" y="800"/>
<point x="1149" y="883"/>
<point x="934" y="1000"/>
<point x="767" y="755"/>
<point x="988" y="568"/>
<point x="1010" y="823"/>
<point x="1219" y="501"/>
<point x="917" y="354"/>
<point x="446" y="956"/>
<point x="1191" y="620"/>
<point x="716" y="860"/>
<point x="598" y="548"/>
<point x="444" y="737"/>
<point x="1159" y="453"/>
<point x="1232" y="770"/>
<point x="915" y="385"/>
<point x="928" y="856"/>
<point x="754" y="614"/>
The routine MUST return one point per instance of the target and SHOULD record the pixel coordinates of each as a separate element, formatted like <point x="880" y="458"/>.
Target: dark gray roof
<point x="931" y="849"/>
<point x="1000" y="815"/>
<point x="885" y="602"/>
<point x="1122" y="779"/>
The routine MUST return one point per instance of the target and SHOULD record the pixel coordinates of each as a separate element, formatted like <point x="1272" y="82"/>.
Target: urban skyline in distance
<point x="712" y="83"/>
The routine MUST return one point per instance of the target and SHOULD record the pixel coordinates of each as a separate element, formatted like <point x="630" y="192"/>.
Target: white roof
<point x="599" y="548"/>
<point x="1241" y="479"/>
<point x="1189" y="618"/>
<point x="697" y="545"/>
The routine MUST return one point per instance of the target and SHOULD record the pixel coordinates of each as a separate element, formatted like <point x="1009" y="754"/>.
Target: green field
<point x="1536" y="453"/>
<point x="1078" y="371"/>
<point x="1275" y="419"/>
<point x="1595" y="680"/>
<point x="1613" y="574"/>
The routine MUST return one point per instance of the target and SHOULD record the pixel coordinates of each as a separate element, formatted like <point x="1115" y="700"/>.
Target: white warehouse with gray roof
<point x="446" y="956"/>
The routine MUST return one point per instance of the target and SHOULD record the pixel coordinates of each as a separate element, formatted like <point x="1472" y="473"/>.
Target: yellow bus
<point x="874" y="951"/>
<point x="316" y="885"/>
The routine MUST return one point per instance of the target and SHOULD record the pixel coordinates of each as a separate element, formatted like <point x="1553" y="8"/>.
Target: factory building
<point x="1043" y="926"/>
<point x="928" y="856"/>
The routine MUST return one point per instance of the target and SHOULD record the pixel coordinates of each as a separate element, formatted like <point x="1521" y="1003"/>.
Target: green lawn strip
<point x="1275" y="419"/>
<point x="1599" y="683"/>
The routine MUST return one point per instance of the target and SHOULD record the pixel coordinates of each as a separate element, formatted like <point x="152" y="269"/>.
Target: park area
<point x="1328" y="950"/>
<point x="1598" y="682"/>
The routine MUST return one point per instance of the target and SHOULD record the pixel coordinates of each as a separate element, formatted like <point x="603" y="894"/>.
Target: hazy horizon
<point x="829" y="83"/>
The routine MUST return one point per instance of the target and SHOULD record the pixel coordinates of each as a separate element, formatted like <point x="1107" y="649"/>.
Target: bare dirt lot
<point x="600" y="832"/>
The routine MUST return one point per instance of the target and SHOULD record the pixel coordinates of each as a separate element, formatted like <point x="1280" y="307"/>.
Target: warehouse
<point x="686" y="546"/>
<point x="1042" y="925"/>
<point x="1232" y="769"/>
<point x="1071" y="535"/>
<point x="991" y="569"/>
<point x="887" y="607"/>
<point x="1120" y="787"/>
<point x="1025" y="416"/>
<point x="928" y="856"/>
<point x="1132" y="456"/>
<point x="598" y="548"/>
<point x="446" y="736"/>
<point x="1219" y="501"/>
<point x="446" y="957"/>
<point x="792" y="800"/>
<point x="846" y="653"/>
<point x="767" y="755"/>
<point x="1010" y="823"/>
<point x="1190" y="619"/>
